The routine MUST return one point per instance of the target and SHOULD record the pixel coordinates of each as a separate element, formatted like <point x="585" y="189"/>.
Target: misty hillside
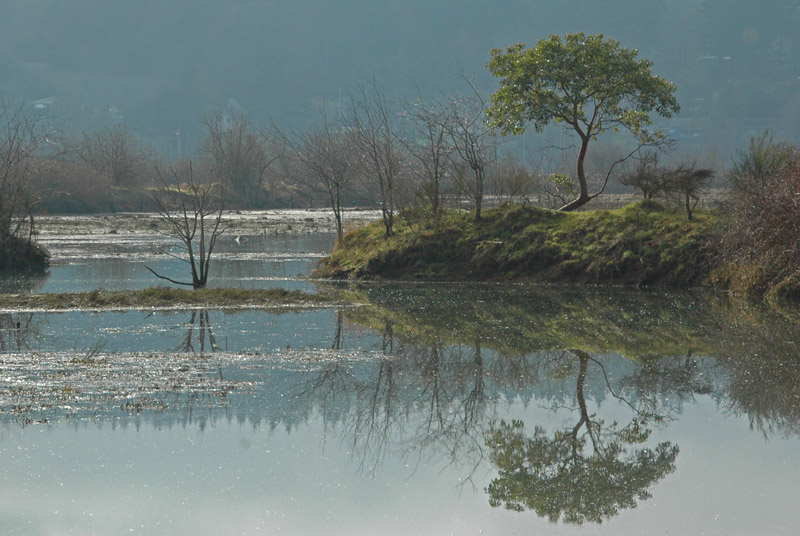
<point x="159" y="66"/>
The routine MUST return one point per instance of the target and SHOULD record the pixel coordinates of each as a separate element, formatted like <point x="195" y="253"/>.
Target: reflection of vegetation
<point x="100" y="385"/>
<point x="415" y="398"/>
<point x="445" y="363"/>
<point x="762" y="366"/>
<point x="20" y="283"/>
<point x="670" y="380"/>
<point x="199" y="320"/>
<point x="555" y="476"/>
<point x="755" y="346"/>
<point x="15" y="331"/>
<point x="522" y="319"/>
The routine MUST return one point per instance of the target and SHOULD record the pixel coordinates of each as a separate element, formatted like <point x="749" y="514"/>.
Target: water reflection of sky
<point x="236" y="479"/>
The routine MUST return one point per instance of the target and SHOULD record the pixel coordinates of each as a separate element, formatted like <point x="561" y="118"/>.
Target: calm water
<point x="117" y="262"/>
<point x="431" y="409"/>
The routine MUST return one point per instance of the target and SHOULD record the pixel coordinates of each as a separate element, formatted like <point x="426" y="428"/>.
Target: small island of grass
<point x="162" y="298"/>
<point x="640" y="244"/>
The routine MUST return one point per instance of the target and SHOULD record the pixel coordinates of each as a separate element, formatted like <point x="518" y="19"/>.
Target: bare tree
<point x="647" y="176"/>
<point x="431" y="146"/>
<point x="115" y="154"/>
<point x="192" y="209"/>
<point x="473" y="144"/>
<point x="329" y="159"/>
<point x="240" y="156"/>
<point x="22" y="159"/>
<point x="376" y="137"/>
<point x="511" y="181"/>
<point x="688" y="181"/>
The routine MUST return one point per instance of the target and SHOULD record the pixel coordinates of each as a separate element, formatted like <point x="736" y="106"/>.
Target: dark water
<point x="431" y="409"/>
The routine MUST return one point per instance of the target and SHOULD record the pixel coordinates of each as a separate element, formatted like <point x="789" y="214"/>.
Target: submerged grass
<point x="166" y="298"/>
<point x="640" y="244"/>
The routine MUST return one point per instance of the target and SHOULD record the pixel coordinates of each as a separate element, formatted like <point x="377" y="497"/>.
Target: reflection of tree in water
<point x="47" y="386"/>
<point x="762" y="366"/>
<point x="587" y="472"/>
<point x="16" y="329"/>
<point x="23" y="283"/>
<point x="199" y="322"/>
<point x="669" y="382"/>
<point x="415" y="398"/>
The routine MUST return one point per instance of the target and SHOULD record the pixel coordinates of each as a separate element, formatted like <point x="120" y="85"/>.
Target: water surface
<point x="430" y="409"/>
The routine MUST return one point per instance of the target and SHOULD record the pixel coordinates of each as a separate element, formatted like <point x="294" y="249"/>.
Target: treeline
<point x="417" y="156"/>
<point x="413" y="160"/>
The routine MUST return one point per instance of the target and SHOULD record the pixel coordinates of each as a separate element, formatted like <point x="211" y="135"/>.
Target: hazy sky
<point x="165" y="63"/>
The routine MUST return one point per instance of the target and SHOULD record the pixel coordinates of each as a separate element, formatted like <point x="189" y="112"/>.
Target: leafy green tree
<point x="588" y="82"/>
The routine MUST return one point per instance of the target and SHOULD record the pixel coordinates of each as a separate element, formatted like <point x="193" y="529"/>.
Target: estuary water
<point x="427" y="409"/>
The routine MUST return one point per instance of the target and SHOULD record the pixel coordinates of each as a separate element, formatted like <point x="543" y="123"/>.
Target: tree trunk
<point x="479" y="179"/>
<point x="583" y="196"/>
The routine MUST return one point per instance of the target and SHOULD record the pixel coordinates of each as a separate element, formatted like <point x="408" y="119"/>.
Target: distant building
<point x="42" y="105"/>
<point x="688" y="128"/>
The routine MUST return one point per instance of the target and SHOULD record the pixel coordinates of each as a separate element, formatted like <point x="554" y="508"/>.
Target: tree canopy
<point x="588" y="82"/>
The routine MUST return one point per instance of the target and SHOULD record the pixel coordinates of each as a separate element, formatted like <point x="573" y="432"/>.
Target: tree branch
<point x="167" y="278"/>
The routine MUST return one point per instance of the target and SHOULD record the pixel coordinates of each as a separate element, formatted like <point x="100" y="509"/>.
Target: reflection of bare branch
<point x="644" y="414"/>
<point x="203" y="324"/>
<point x="15" y="330"/>
<point x="337" y="339"/>
<point x="669" y="381"/>
<point x="447" y="384"/>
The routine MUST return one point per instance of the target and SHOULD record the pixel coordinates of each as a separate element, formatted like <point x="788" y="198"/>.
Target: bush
<point x="19" y="255"/>
<point x="760" y="238"/>
<point x="647" y="176"/>
<point x="70" y="188"/>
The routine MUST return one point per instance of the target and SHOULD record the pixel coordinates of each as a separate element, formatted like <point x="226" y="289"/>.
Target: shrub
<point x="70" y="188"/>
<point x="20" y="254"/>
<point x="761" y="235"/>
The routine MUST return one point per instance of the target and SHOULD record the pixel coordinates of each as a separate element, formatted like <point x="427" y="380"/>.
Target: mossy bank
<point x="640" y="244"/>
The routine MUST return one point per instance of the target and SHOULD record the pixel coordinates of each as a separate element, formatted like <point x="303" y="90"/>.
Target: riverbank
<point x="640" y="244"/>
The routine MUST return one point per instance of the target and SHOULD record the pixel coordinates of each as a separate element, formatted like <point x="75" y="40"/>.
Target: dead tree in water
<point x="193" y="211"/>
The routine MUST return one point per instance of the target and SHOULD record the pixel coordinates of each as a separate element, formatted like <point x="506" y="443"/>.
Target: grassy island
<point x="640" y="244"/>
<point x="167" y="298"/>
